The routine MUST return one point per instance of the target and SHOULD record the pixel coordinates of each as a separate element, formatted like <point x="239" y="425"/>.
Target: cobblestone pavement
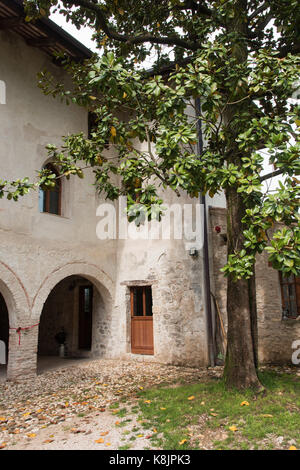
<point x="72" y="407"/>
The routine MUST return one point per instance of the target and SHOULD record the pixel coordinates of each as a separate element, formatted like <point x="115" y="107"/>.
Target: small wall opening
<point x="4" y="337"/>
<point x="2" y="92"/>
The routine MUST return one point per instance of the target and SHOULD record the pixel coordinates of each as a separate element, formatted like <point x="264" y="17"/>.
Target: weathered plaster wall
<point x="39" y="250"/>
<point x="275" y="335"/>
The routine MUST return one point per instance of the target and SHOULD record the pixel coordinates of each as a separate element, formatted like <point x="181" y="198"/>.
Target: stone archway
<point x="61" y="308"/>
<point x="89" y="271"/>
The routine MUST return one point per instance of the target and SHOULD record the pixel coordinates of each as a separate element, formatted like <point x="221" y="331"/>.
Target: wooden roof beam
<point x="41" y="42"/>
<point x="10" y="22"/>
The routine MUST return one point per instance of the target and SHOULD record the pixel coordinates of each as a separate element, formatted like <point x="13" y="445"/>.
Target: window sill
<point x="58" y="216"/>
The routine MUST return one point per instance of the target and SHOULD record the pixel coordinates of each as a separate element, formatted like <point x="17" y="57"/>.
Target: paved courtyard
<point x="73" y="404"/>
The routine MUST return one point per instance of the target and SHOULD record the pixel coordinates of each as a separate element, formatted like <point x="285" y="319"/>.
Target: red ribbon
<point x="19" y="329"/>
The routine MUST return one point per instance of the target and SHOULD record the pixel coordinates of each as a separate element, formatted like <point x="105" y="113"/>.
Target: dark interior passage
<point x="67" y="319"/>
<point x="4" y="326"/>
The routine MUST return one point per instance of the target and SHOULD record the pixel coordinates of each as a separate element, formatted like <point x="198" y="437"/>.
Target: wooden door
<point x="141" y="320"/>
<point x="85" y="317"/>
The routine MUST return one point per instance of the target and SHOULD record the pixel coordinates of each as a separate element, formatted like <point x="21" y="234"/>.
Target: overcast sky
<point x="83" y="35"/>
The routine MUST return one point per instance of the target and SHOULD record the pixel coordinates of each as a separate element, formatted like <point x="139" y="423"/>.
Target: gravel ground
<point x="72" y="407"/>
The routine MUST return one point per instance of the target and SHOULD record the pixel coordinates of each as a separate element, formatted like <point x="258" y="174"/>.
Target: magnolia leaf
<point x="233" y="428"/>
<point x="182" y="442"/>
<point x="245" y="403"/>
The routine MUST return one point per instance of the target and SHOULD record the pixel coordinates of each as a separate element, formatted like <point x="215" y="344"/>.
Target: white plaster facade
<point x="39" y="250"/>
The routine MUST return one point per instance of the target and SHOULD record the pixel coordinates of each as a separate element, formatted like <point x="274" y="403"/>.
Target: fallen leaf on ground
<point x="99" y="441"/>
<point x="233" y="428"/>
<point x="182" y="442"/>
<point x="191" y="398"/>
<point x="104" y="433"/>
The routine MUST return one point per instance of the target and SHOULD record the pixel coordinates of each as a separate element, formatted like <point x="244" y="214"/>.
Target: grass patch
<point x="206" y="415"/>
<point x="122" y="412"/>
<point x="125" y="447"/>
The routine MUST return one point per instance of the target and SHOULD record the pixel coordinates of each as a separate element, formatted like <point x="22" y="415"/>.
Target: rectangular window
<point x="290" y="293"/>
<point x="85" y="317"/>
<point x="141" y="301"/>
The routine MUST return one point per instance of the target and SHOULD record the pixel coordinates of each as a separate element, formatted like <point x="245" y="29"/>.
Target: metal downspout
<point x="208" y="309"/>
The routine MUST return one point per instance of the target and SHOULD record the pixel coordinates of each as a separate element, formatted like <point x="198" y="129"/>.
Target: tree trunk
<point x="241" y="355"/>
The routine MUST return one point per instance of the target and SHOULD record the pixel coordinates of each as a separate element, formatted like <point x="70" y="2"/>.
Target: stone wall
<point x="275" y="334"/>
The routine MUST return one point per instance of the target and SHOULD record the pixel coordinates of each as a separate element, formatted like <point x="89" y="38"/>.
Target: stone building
<point x="59" y="282"/>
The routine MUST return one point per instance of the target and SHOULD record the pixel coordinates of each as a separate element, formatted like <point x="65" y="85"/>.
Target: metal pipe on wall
<point x="209" y="319"/>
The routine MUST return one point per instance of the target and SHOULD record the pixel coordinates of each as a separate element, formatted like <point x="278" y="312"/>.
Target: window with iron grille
<point x="290" y="294"/>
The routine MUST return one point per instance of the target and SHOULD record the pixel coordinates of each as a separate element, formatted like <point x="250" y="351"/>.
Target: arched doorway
<point x="75" y="316"/>
<point x="4" y="336"/>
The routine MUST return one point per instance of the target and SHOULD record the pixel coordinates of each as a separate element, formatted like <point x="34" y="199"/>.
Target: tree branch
<point x="261" y="25"/>
<point x="111" y="34"/>
<point x="271" y="175"/>
<point x="259" y="10"/>
<point x="285" y="50"/>
<point x="191" y="5"/>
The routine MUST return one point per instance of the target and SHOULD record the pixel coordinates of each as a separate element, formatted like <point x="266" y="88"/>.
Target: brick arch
<point x="15" y="296"/>
<point x="97" y="276"/>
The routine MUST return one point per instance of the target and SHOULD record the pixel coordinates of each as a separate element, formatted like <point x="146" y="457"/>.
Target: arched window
<point x="50" y="199"/>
